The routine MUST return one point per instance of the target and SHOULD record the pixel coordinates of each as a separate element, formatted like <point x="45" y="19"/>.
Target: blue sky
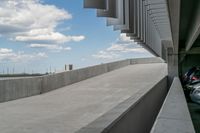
<point x="39" y="34"/>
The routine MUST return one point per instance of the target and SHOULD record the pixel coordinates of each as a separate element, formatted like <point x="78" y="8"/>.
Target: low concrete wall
<point x="52" y="82"/>
<point x="56" y="81"/>
<point x="135" y="115"/>
<point x="11" y="89"/>
<point x="174" y="116"/>
<point x="117" y="65"/>
<point x="16" y="88"/>
<point x="147" y="60"/>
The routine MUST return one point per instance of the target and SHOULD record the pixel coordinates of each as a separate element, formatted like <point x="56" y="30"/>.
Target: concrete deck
<point x="68" y="109"/>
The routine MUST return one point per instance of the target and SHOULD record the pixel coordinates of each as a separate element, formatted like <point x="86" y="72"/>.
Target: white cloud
<point x="77" y="38"/>
<point x="33" y="22"/>
<point x="5" y="50"/>
<point x="83" y="59"/>
<point x="124" y="39"/>
<point x="105" y="55"/>
<point x="126" y="48"/>
<point x="51" y="37"/>
<point x="8" y="55"/>
<point x="122" y="45"/>
<point x="52" y="47"/>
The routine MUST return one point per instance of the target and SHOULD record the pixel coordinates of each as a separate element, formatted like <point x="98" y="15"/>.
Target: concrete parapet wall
<point x="174" y="116"/>
<point x="135" y="115"/>
<point x="66" y="78"/>
<point x="117" y="65"/>
<point x="16" y="88"/>
<point x="147" y="60"/>
<point x="55" y="81"/>
<point x="11" y="89"/>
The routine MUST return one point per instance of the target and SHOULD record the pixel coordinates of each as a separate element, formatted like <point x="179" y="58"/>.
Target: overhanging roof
<point x="145" y="21"/>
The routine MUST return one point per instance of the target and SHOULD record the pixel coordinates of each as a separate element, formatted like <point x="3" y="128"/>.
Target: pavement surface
<point x="67" y="109"/>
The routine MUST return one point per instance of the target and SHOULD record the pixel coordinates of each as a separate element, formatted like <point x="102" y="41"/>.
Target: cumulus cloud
<point x="8" y="55"/>
<point x="5" y="50"/>
<point x="52" y="47"/>
<point x="106" y="55"/>
<point x="31" y="21"/>
<point x="122" y="45"/>
<point x="124" y="39"/>
<point x="126" y="48"/>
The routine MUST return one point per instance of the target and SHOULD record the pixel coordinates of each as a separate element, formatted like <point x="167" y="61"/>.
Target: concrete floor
<point x="195" y="115"/>
<point x="68" y="109"/>
<point x="194" y="109"/>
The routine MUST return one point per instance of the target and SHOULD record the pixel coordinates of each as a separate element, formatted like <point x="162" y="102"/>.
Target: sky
<point x="37" y="36"/>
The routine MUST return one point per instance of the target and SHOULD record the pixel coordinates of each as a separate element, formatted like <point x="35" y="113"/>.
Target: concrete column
<point x="174" y="13"/>
<point x="165" y="45"/>
<point x="172" y="61"/>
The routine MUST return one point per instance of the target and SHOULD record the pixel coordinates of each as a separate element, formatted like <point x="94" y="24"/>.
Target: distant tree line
<point x="22" y="75"/>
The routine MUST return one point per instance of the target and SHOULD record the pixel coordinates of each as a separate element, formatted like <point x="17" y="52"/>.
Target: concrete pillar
<point x="174" y="13"/>
<point x="165" y="45"/>
<point x="172" y="61"/>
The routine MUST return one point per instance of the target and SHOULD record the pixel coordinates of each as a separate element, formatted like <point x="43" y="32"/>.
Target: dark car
<point x="191" y="76"/>
<point x="195" y="76"/>
<point x="192" y="86"/>
<point x="195" y="93"/>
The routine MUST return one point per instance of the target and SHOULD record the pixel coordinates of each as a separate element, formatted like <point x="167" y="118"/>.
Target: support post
<point x="172" y="61"/>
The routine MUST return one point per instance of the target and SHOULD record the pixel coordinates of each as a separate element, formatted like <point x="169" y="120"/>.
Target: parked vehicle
<point x="191" y="76"/>
<point x="191" y="81"/>
<point x="188" y="88"/>
<point x="195" y="76"/>
<point x="195" y="93"/>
